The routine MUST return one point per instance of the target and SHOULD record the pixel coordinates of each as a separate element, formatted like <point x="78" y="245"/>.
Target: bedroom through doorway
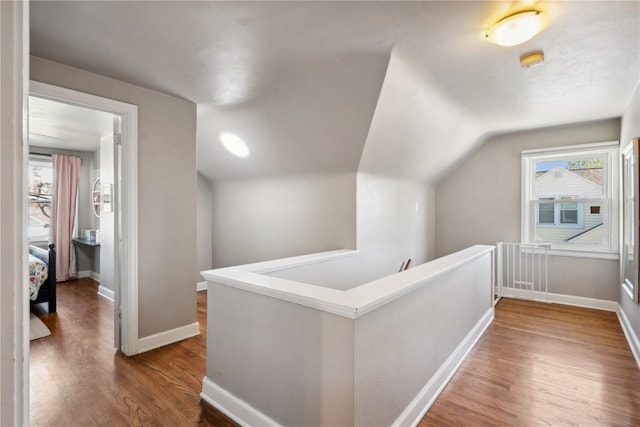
<point x="101" y="134"/>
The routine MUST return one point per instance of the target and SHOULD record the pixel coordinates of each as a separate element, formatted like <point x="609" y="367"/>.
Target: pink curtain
<point x="66" y="170"/>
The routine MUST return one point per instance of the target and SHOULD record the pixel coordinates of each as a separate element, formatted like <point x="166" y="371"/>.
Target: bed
<point x="42" y="276"/>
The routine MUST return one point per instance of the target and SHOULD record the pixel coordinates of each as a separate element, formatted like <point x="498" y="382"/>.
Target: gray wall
<point x="302" y="366"/>
<point x="390" y="230"/>
<point x="260" y="220"/>
<point x="205" y="236"/>
<point x="479" y="203"/>
<point x="630" y="129"/>
<point x="399" y="347"/>
<point x="290" y="362"/>
<point x="167" y="188"/>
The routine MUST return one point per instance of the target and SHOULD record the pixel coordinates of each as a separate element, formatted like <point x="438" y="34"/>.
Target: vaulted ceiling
<point x="405" y="89"/>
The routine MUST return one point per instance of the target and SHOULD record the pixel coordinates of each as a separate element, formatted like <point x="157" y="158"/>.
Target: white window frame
<point x="609" y="249"/>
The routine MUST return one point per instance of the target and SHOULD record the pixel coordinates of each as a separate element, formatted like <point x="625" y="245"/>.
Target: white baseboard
<point x="420" y="404"/>
<point x="88" y="273"/>
<point x="105" y="292"/>
<point x="83" y="274"/>
<point x="201" y="286"/>
<point x="598" y="304"/>
<point x="629" y="334"/>
<point x="236" y="409"/>
<point x="168" y="337"/>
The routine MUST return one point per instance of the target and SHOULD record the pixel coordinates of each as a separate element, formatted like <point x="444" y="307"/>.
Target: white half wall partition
<point x="284" y="351"/>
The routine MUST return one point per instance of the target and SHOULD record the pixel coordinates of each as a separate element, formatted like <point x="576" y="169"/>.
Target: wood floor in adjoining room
<point x="544" y="364"/>
<point x="537" y="364"/>
<point x="79" y="379"/>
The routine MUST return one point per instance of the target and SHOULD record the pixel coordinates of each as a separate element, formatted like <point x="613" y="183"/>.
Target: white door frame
<point x="128" y="259"/>
<point x="14" y="296"/>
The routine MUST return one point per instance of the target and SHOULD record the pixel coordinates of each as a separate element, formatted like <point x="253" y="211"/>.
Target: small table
<point x="86" y="242"/>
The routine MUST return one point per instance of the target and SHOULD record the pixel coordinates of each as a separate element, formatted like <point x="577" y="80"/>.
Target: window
<point x="40" y="190"/>
<point x="560" y="211"/>
<point x="569" y="199"/>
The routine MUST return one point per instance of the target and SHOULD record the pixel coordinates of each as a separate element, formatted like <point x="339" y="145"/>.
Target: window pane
<point x="40" y="190"/>
<point x="573" y="191"/>
<point x="566" y="181"/>
<point x="569" y="213"/>
<point x="546" y="213"/>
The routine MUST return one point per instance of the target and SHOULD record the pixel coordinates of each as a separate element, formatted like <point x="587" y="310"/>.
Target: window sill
<point x="584" y="254"/>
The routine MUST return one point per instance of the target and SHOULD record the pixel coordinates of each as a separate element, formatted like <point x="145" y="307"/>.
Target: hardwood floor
<point x="544" y="364"/>
<point x="78" y="379"/>
<point x="537" y="364"/>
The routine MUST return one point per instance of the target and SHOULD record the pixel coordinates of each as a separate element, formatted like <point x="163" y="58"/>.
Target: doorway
<point x="118" y="184"/>
<point x="57" y="128"/>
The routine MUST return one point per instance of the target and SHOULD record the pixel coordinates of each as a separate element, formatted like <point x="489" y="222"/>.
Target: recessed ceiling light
<point x="517" y="28"/>
<point x="234" y="144"/>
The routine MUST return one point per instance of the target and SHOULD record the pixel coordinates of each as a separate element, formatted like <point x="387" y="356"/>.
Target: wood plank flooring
<point x="544" y="364"/>
<point x="537" y="364"/>
<point x="79" y="379"/>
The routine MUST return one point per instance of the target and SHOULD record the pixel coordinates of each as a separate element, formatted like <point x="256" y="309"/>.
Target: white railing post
<point x="499" y="261"/>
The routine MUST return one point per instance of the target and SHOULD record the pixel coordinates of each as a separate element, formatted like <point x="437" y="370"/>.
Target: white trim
<point x="105" y="292"/>
<point x="201" y="286"/>
<point x="128" y="297"/>
<point x="570" y="148"/>
<point x="585" y="254"/>
<point x="168" y="337"/>
<point x="233" y="407"/>
<point x="88" y="274"/>
<point x="627" y="288"/>
<point x="352" y="303"/>
<point x="596" y="304"/>
<point x="14" y="299"/>
<point x="632" y="338"/>
<point x="83" y="274"/>
<point x="420" y="404"/>
<point x="609" y="248"/>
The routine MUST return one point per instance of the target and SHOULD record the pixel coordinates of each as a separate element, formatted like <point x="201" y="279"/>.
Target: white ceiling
<point x="63" y="126"/>
<point x="399" y="88"/>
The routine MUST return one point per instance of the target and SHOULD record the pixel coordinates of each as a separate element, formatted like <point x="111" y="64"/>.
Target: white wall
<point x="204" y="227"/>
<point x="167" y="193"/>
<point x="479" y="203"/>
<point x="630" y="129"/>
<point x="259" y="220"/>
<point x="390" y="228"/>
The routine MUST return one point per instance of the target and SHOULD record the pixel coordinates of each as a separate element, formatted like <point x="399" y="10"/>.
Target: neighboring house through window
<point x="569" y="199"/>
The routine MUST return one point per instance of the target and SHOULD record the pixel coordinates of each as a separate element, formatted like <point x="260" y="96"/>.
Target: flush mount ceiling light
<point x="234" y="144"/>
<point x="516" y="29"/>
